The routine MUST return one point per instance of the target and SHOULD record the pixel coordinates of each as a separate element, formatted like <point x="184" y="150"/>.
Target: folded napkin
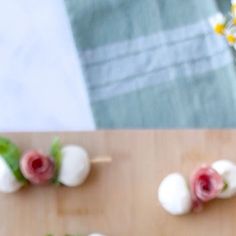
<point x="154" y="63"/>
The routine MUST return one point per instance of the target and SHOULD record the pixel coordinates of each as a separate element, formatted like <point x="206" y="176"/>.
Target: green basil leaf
<point x="11" y="154"/>
<point x="55" y="153"/>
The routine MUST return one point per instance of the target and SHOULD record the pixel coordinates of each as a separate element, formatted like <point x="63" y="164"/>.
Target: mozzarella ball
<point x="75" y="166"/>
<point x="227" y="170"/>
<point x="174" y="195"/>
<point x="8" y="182"/>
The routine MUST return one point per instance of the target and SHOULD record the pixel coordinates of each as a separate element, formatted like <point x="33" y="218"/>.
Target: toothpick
<point x="101" y="159"/>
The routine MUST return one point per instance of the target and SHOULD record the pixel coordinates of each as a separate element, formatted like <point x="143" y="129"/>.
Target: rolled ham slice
<point x="205" y="184"/>
<point x="37" y="167"/>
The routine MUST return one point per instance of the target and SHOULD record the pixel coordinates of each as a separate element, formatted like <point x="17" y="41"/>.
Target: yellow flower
<point x="231" y="38"/>
<point x="219" y="28"/>
<point x="230" y="35"/>
<point x="218" y="23"/>
<point x="233" y="7"/>
<point x="234" y="20"/>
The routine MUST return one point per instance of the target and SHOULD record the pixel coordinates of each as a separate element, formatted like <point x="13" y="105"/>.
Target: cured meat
<point x="37" y="167"/>
<point x="205" y="184"/>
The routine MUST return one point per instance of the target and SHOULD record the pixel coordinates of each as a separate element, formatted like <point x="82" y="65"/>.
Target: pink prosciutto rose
<point x="205" y="185"/>
<point x="36" y="167"/>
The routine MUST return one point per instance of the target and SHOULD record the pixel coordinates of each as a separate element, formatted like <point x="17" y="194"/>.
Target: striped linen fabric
<point x="155" y="63"/>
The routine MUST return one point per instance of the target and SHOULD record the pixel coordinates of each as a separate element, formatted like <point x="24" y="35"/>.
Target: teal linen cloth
<point x="155" y="63"/>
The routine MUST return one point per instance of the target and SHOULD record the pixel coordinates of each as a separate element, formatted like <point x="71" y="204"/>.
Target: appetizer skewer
<point x="69" y="165"/>
<point x="178" y="196"/>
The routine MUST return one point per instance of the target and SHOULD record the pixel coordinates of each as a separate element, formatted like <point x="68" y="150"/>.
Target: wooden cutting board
<point x="119" y="198"/>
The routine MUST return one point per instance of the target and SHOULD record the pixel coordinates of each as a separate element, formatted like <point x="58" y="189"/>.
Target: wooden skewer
<point x="101" y="159"/>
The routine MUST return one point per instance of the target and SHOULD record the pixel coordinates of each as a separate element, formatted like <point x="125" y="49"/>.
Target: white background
<point x="41" y="83"/>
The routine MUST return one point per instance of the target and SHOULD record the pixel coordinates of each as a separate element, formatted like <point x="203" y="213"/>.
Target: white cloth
<point x="41" y="83"/>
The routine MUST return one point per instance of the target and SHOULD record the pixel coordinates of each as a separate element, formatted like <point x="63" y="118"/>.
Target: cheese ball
<point x="75" y="166"/>
<point x="174" y="195"/>
<point x="8" y="182"/>
<point x="227" y="170"/>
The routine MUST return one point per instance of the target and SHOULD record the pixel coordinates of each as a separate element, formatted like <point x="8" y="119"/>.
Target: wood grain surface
<point x="119" y="198"/>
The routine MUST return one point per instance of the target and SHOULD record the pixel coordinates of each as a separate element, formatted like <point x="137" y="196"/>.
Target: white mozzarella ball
<point x="8" y="182"/>
<point x="227" y="170"/>
<point x="75" y="166"/>
<point x="174" y="195"/>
